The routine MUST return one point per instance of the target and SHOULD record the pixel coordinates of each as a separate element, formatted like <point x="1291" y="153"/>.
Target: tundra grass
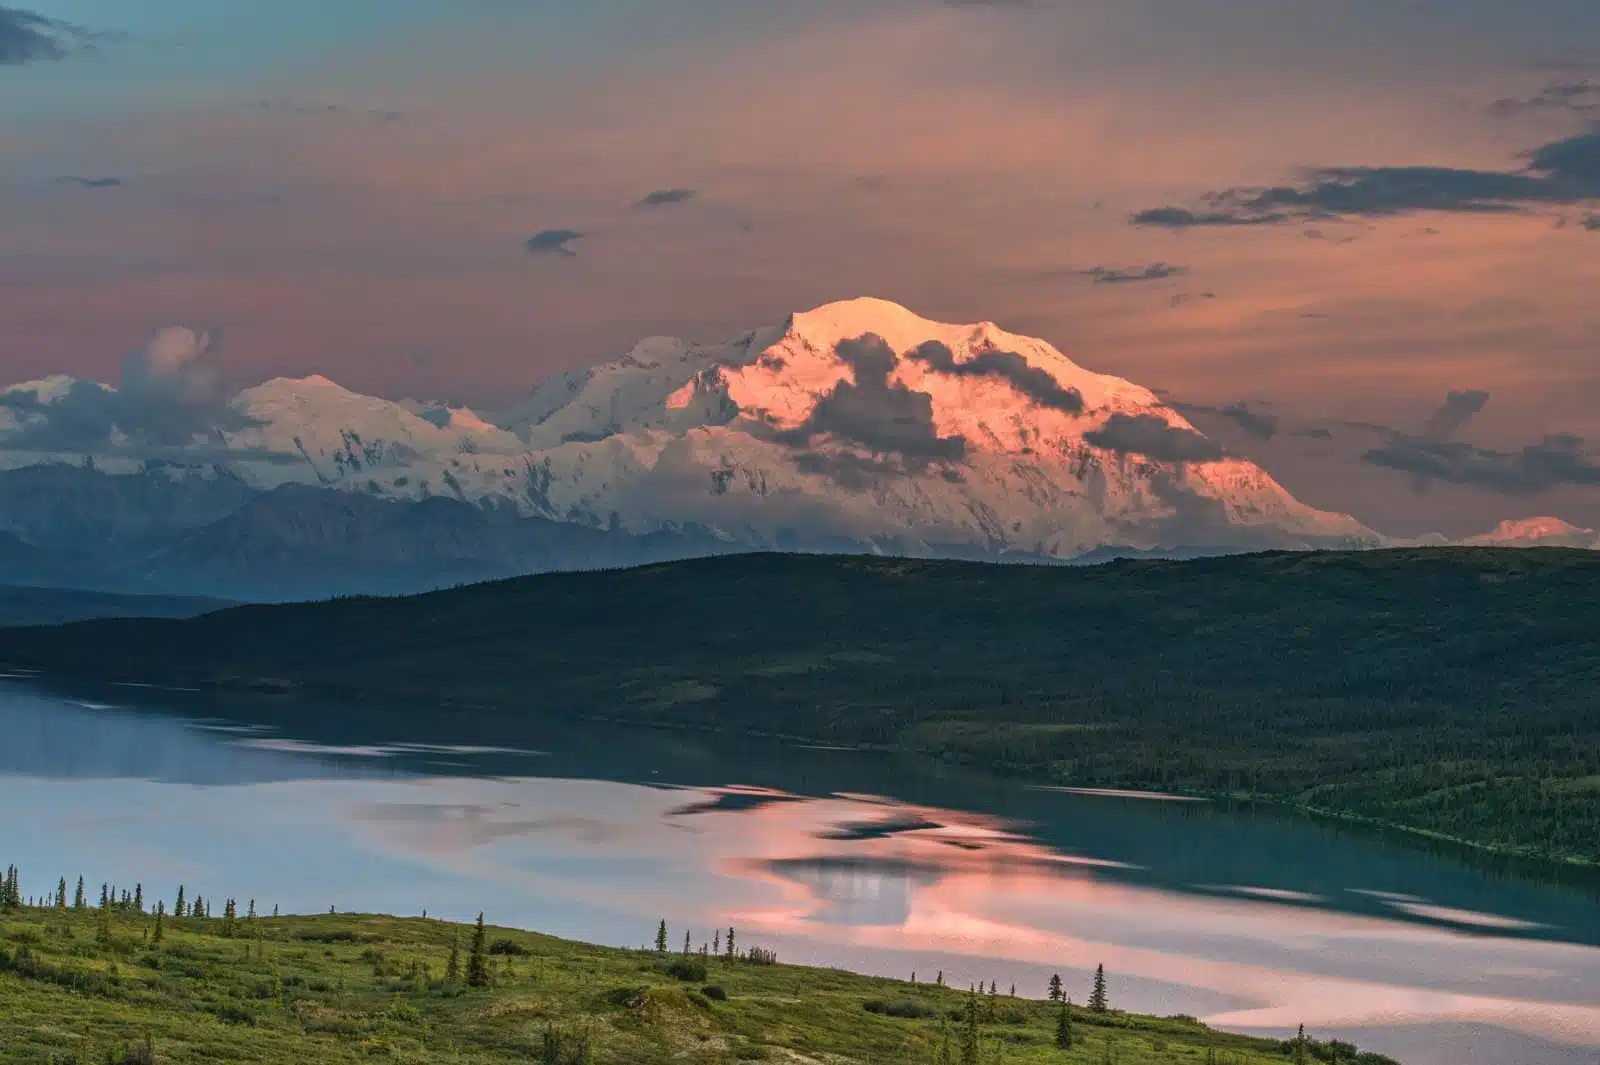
<point x="93" y="986"/>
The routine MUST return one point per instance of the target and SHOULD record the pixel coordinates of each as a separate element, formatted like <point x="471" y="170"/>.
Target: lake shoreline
<point x="272" y="689"/>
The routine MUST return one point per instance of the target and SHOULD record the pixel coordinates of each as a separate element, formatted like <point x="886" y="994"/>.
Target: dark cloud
<point x="553" y="242"/>
<point x="666" y="198"/>
<point x="852" y="472"/>
<point x="1034" y="383"/>
<point x="1191" y="297"/>
<point x="90" y="182"/>
<point x="1114" y="275"/>
<point x="1565" y="171"/>
<point x="874" y="413"/>
<point x="169" y="394"/>
<point x="1458" y="409"/>
<point x="1582" y="96"/>
<point x="1151" y="436"/>
<point x="1263" y="425"/>
<point x="1592" y="223"/>
<point x="1435" y="455"/>
<point x="1183" y="218"/>
<point x="1406" y="449"/>
<point x="1554" y="461"/>
<point x="26" y="37"/>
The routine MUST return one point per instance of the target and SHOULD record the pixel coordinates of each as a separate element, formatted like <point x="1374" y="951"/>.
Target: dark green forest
<point x="1449" y="692"/>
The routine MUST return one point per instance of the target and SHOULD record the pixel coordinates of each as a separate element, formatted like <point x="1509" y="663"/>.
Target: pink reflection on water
<point x="907" y="878"/>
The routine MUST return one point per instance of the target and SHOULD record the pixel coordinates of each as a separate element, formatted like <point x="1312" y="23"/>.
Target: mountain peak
<point x="902" y="329"/>
<point x="284" y="389"/>
<point x="1536" y="532"/>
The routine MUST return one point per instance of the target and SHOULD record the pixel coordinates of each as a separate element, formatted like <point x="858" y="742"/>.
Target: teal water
<point x="1252" y="921"/>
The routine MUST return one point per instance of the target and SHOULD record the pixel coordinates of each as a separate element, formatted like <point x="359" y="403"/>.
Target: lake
<point x="1252" y="921"/>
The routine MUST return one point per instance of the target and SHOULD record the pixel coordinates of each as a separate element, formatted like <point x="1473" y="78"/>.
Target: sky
<point x="1357" y="241"/>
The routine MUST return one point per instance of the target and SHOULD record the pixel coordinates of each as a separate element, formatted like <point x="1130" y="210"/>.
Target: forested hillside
<point x="1455" y="692"/>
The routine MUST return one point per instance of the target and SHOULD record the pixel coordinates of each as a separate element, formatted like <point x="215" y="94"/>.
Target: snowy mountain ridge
<point x="856" y="424"/>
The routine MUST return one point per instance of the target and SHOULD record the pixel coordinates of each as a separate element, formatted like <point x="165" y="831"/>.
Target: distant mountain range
<point x="58" y="606"/>
<point x="855" y="427"/>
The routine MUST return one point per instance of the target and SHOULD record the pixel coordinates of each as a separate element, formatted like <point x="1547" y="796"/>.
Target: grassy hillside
<point x="96" y="986"/>
<point x="1451" y="692"/>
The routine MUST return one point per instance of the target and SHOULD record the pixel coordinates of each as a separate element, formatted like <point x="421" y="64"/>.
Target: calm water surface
<point x="1252" y="922"/>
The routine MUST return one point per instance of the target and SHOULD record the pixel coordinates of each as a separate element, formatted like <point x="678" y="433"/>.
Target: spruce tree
<point x="78" y="901"/>
<point x="969" y="1031"/>
<point x="1055" y="987"/>
<point x="661" y="937"/>
<point x="1098" y="1002"/>
<point x="452" y="971"/>
<point x="685" y="942"/>
<point x="197" y="910"/>
<point x="1300" y="1046"/>
<point x="230" y="916"/>
<point x="105" y="895"/>
<point x="102" y="932"/>
<point x="731" y="954"/>
<point x="1064" y="1028"/>
<point x="478" y="960"/>
<point x="161" y="913"/>
<point x="61" y="894"/>
<point x="177" y="907"/>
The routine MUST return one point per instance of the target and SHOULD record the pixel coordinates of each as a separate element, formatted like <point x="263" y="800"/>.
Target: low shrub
<point x="689" y="970"/>
<point x="909" y="1008"/>
<point x="234" y="1013"/>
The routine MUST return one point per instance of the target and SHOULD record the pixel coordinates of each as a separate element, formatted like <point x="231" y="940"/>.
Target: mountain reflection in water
<point x="1249" y="921"/>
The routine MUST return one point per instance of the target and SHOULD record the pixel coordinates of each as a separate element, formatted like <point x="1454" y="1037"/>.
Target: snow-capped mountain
<point x="858" y="422"/>
<point x="923" y="437"/>
<point x="1536" y="532"/>
<point x="858" y="425"/>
